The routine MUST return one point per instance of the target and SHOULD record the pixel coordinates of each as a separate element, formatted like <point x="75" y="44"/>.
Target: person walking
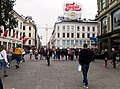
<point x="9" y="55"/>
<point x="76" y="53"/>
<point x="48" y="56"/>
<point x="58" y="53"/>
<point x="31" y="53"/>
<point x="113" y="56"/>
<point x="3" y="59"/>
<point x="85" y="58"/>
<point x="18" y="54"/>
<point x="106" y="57"/>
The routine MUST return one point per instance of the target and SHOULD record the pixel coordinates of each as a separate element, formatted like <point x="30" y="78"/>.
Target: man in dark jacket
<point x="85" y="57"/>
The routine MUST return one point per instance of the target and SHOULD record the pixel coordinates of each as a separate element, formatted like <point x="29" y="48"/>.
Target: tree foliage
<point x="7" y="18"/>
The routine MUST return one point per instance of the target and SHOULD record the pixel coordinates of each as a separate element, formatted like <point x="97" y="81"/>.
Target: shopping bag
<point x="79" y="68"/>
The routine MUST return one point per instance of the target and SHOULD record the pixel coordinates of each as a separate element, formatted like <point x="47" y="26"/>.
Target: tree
<point x="7" y="18"/>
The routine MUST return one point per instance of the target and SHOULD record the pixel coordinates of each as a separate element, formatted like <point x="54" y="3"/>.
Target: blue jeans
<point x="18" y="58"/>
<point x="85" y="71"/>
<point x="3" y="64"/>
<point x="10" y="59"/>
<point x="54" y="56"/>
<point x="30" y="56"/>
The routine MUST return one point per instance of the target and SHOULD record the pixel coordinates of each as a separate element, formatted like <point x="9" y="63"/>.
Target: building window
<point x="29" y="34"/>
<point x="76" y="42"/>
<point x="58" y="35"/>
<point x="93" y="29"/>
<point x="68" y="35"/>
<point x="29" y="28"/>
<point x="83" y="35"/>
<point x="64" y="42"/>
<point x="68" y="27"/>
<point x="104" y="25"/>
<point x="17" y="34"/>
<point x="78" y="35"/>
<point x="88" y="35"/>
<point x="84" y="42"/>
<point x="63" y="35"/>
<point x="63" y="28"/>
<point x="83" y="28"/>
<point x="9" y="32"/>
<point x="23" y="27"/>
<point x="20" y="34"/>
<point x="78" y="28"/>
<point x="80" y="42"/>
<point x="72" y="35"/>
<point x="58" y="27"/>
<point x="23" y="34"/>
<point x="116" y="20"/>
<point x="88" y="42"/>
<point x="20" y="25"/>
<point x="88" y="28"/>
<point x="93" y="35"/>
<point x="103" y="4"/>
<point x="29" y="42"/>
<point x="58" y="42"/>
<point x="68" y="42"/>
<point x="72" y="42"/>
<point x="72" y="27"/>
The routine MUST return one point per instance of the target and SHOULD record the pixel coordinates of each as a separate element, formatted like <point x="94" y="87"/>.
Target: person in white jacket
<point x="3" y="59"/>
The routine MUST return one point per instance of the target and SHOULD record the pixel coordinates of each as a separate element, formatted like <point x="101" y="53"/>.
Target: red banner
<point x="21" y="38"/>
<point x="25" y="40"/>
<point x="5" y="33"/>
<point x="14" y="35"/>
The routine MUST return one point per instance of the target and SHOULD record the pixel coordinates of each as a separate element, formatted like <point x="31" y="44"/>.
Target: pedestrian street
<point x="60" y="75"/>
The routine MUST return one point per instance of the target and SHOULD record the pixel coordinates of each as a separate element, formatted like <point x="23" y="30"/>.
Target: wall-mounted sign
<point x="73" y="10"/>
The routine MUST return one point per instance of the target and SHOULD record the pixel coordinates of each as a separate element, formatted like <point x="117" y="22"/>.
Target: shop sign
<point x="73" y="10"/>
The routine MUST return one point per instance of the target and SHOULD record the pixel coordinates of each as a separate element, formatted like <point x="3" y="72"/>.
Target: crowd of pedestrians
<point x="84" y="55"/>
<point x="6" y="57"/>
<point x="113" y="57"/>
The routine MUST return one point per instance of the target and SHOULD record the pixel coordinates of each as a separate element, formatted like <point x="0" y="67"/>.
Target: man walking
<point x="48" y="56"/>
<point x="85" y="57"/>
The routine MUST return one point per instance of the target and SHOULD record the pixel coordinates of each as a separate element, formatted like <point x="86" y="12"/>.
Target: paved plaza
<point x="60" y="75"/>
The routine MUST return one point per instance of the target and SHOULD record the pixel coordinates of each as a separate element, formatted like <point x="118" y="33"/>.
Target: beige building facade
<point x="25" y="34"/>
<point x="108" y="24"/>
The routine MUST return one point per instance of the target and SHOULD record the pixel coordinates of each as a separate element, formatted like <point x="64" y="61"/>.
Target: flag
<point x="13" y="36"/>
<point x="21" y="38"/>
<point x="5" y="33"/>
<point x="25" y="40"/>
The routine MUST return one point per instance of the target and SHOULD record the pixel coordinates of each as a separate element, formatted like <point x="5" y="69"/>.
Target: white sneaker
<point x="85" y="86"/>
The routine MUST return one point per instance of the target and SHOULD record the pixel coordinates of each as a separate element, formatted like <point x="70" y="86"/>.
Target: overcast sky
<point x="47" y="11"/>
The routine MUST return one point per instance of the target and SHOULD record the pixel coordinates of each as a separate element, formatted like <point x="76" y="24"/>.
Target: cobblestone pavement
<point x="60" y="75"/>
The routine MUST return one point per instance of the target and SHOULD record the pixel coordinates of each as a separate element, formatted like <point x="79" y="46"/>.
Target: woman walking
<point x="3" y="59"/>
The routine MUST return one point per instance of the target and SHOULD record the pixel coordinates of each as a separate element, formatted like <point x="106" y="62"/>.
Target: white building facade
<point x="25" y="30"/>
<point x="73" y="34"/>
